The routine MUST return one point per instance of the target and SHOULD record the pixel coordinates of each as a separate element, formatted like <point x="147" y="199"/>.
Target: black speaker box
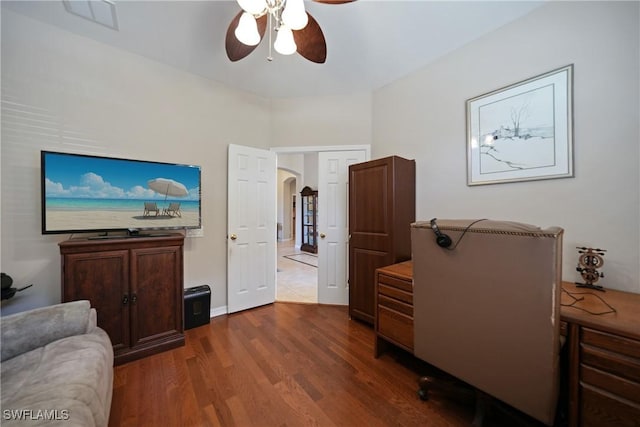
<point x="197" y="304"/>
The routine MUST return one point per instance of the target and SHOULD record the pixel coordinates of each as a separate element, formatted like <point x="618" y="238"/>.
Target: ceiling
<point x="370" y="43"/>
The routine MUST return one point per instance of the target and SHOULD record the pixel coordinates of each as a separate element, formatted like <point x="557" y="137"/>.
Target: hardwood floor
<point x="283" y="364"/>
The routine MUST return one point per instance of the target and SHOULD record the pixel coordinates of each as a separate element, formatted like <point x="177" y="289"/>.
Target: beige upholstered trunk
<point x="488" y="311"/>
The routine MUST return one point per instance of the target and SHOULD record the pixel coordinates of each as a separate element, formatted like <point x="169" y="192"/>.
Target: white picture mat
<point x="522" y="132"/>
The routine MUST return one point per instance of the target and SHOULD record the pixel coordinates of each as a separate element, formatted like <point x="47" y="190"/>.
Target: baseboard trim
<point x="218" y="311"/>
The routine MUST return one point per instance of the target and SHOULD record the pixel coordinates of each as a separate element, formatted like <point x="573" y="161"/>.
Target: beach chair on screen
<point x="173" y="210"/>
<point x="150" y="207"/>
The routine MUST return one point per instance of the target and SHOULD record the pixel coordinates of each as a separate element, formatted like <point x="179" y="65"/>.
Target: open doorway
<point x="297" y="271"/>
<point x="324" y="170"/>
<point x="297" y="276"/>
<point x="252" y="253"/>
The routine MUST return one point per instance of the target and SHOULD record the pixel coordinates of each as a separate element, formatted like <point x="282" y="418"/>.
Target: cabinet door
<point x="103" y="279"/>
<point x="370" y="222"/>
<point x="381" y="210"/>
<point x="156" y="294"/>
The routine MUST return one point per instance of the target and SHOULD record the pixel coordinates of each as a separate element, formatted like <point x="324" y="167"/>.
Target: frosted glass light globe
<point x="294" y="16"/>
<point x="284" y="44"/>
<point x="247" y="30"/>
<point x="254" y="7"/>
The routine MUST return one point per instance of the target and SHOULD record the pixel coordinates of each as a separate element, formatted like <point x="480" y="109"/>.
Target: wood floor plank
<point x="279" y="365"/>
<point x="211" y="416"/>
<point x="239" y="412"/>
<point x="304" y="410"/>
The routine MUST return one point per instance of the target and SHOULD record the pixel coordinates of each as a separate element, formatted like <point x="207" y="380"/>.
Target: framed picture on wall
<point x="522" y="132"/>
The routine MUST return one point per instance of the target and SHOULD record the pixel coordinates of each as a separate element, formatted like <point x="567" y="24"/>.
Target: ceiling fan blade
<point x="310" y="41"/>
<point x="334" y="1"/>
<point x="236" y="50"/>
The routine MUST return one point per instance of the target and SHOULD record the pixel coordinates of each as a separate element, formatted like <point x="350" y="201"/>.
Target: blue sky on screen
<point x="98" y="177"/>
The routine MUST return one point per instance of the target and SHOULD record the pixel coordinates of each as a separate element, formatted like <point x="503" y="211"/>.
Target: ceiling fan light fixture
<point x="294" y="15"/>
<point x="254" y="7"/>
<point x="284" y="44"/>
<point x="247" y="30"/>
<point x="296" y="29"/>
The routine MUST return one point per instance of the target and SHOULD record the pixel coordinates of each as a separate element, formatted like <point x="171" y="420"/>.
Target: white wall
<point x="63" y="92"/>
<point x="310" y="171"/>
<point x="423" y="116"/>
<point x="330" y="120"/>
<point x="294" y="163"/>
<point x="283" y="211"/>
<point x="291" y="162"/>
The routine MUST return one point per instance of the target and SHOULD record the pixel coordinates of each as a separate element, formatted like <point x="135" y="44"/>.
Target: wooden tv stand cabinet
<point x="136" y="287"/>
<point x="603" y="349"/>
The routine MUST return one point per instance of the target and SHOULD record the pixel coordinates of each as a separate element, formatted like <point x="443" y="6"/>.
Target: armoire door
<point x="103" y="279"/>
<point x="156" y="301"/>
<point x="381" y="210"/>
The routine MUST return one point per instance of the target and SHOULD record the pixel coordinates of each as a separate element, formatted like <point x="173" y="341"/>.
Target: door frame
<point x="318" y="148"/>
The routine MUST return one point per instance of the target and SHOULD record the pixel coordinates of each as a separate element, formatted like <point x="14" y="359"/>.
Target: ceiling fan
<point x="296" y="30"/>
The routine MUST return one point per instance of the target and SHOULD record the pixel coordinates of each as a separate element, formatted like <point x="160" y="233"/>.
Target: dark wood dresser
<point x="394" y="306"/>
<point x="604" y="356"/>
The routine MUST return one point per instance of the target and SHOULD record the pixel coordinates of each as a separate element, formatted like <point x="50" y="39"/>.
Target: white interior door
<point x="251" y="228"/>
<point x="333" y="224"/>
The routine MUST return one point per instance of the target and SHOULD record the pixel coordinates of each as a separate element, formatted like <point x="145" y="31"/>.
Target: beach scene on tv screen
<point x="95" y="193"/>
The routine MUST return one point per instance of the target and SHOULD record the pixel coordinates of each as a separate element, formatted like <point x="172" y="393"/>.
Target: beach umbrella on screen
<point x="168" y="187"/>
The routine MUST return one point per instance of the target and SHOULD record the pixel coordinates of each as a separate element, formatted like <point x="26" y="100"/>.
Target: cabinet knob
<point x="125" y="299"/>
<point x="134" y="298"/>
<point x="233" y="237"/>
<point x="322" y="235"/>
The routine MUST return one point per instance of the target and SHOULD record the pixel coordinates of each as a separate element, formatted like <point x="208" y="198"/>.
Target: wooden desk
<point x="604" y="356"/>
<point x="603" y="349"/>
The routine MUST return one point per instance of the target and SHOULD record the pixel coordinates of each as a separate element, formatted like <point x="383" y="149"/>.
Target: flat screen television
<point x="84" y="193"/>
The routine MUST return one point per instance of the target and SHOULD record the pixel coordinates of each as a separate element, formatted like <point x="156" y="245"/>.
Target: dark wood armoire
<point x="382" y="206"/>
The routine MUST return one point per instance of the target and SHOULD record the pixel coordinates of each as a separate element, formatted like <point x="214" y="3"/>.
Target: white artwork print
<point x="517" y="133"/>
<point x="522" y="132"/>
